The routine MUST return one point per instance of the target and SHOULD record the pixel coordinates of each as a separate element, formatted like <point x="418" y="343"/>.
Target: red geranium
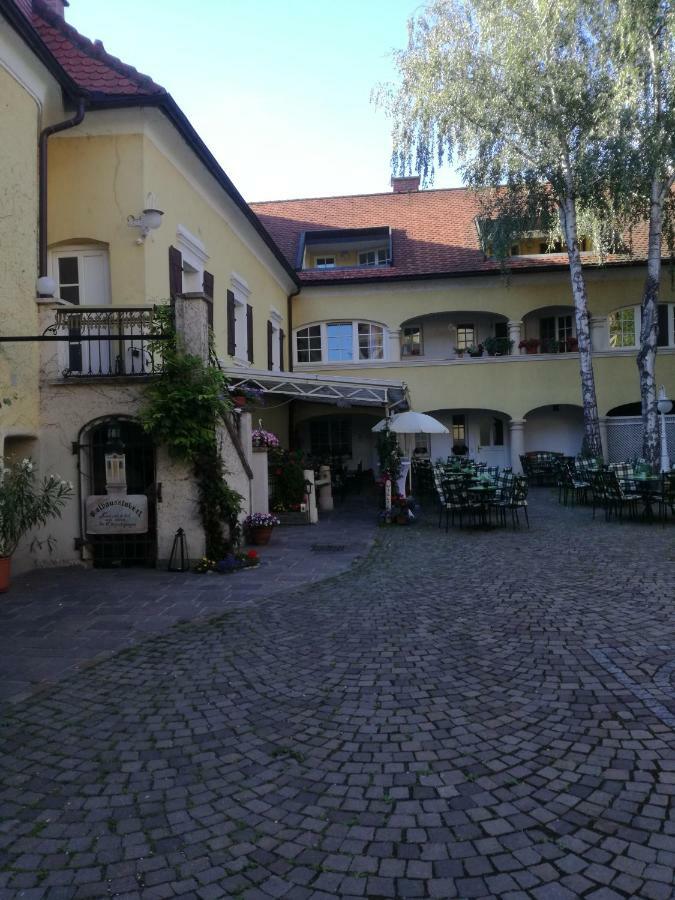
<point x="252" y="554"/>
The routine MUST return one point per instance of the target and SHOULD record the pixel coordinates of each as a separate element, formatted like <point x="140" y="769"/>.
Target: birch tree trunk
<point x="649" y="330"/>
<point x="592" y="440"/>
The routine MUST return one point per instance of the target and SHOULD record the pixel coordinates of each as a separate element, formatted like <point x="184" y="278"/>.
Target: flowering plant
<point x="262" y="438"/>
<point x="260" y="520"/>
<point x="25" y="505"/>
<point x="205" y="565"/>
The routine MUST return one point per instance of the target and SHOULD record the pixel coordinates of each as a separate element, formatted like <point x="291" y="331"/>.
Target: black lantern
<point x="179" y="561"/>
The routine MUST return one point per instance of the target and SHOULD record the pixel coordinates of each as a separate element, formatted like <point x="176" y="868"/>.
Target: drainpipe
<point x="45" y="134"/>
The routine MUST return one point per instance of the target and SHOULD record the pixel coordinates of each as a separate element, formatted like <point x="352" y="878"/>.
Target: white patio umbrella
<point x="411" y="423"/>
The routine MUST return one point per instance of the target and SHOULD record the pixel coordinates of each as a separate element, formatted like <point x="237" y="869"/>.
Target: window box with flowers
<point x="259" y="527"/>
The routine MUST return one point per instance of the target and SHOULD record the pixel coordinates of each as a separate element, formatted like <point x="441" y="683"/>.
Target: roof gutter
<point x="45" y="134"/>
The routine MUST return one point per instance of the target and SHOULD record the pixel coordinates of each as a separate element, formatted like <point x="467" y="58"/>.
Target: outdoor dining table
<point x="482" y="492"/>
<point x="647" y="487"/>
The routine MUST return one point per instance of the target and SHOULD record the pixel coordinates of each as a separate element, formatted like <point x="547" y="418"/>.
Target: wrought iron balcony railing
<point x="105" y="343"/>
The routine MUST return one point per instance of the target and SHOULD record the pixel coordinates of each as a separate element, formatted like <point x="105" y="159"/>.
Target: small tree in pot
<point x="24" y="506"/>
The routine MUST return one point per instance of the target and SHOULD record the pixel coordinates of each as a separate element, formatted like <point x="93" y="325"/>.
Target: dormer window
<point x="345" y="248"/>
<point x="377" y="257"/>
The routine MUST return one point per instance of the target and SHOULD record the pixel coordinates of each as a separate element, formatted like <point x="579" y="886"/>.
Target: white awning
<point x="322" y="388"/>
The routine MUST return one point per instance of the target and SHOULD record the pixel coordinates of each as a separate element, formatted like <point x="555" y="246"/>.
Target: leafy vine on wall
<point x="183" y="408"/>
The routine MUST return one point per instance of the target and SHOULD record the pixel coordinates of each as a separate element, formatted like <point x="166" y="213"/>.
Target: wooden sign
<point x="117" y="514"/>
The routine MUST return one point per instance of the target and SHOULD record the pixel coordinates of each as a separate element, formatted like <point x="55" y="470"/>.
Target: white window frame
<point x="322" y="262"/>
<point x="242" y="292"/>
<point x="636" y="324"/>
<point x="81" y="251"/>
<point x="381" y="257"/>
<point x="194" y="258"/>
<point x="276" y="319"/>
<point x="420" y="329"/>
<point x="355" y="359"/>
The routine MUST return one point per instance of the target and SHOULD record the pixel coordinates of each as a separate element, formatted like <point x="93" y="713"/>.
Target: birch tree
<point x="642" y="165"/>
<point x="516" y="93"/>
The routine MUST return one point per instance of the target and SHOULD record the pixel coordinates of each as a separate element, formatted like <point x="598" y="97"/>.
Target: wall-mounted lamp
<point x="149" y="220"/>
<point x="46" y="286"/>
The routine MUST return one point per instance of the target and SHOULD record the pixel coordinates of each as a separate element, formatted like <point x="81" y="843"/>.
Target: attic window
<point x="374" y="257"/>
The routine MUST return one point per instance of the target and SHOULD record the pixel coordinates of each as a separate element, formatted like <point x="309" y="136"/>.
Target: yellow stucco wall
<point x="515" y="385"/>
<point x="94" y="184"/>
<point x="97" y="181"/>
<point x="228" y="254"/>
<point x="19" y="117"/>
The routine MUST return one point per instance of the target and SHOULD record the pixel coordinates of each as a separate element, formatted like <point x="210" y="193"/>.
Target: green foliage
<point x="289" y="479"/>
<point x="389" y="454"/>
<point x="25" y="505"/>
<point x="183" y="410"/>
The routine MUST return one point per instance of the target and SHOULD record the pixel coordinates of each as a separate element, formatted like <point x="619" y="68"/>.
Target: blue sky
<point x="280" y="91"/>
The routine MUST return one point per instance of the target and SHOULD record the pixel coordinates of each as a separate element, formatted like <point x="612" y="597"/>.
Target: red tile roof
<point x="87" y="62"/>
<point x="433" y="233"/>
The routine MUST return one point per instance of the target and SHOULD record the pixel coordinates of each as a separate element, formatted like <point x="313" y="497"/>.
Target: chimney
<point x="56" y="6"/>
<point x="405" y="184"/>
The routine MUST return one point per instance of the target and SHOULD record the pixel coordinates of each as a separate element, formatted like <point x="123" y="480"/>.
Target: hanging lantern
<point x="179" y="561"/>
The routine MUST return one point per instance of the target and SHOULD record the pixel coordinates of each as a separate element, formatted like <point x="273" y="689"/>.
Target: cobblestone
<point x="477" y="714"/>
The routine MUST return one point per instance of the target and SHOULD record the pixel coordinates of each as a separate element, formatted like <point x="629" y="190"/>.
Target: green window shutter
<point x="249" y="331"/>
<point x="175" y="272"/>
<point x="231" y="335"/>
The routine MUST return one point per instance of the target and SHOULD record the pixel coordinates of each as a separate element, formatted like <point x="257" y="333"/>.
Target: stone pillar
<point x="515" y="328"/>
<point x="260" y="493"/>
<point x="245" y="435"/>
<point x="599" y="333"/>
<point x="192" y="323"/>
<point x="325" y="490"/>
<point x="602" y="421"/>
<point x="313" y="513"/>
<point x="517" y="432"/>
<point x="394" y="348"/>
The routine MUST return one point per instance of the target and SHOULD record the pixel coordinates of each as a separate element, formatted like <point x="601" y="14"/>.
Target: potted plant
<point x="475" y="350"/>
<point x="497" y="346"/>
<point x="400" y="507"/>
<point x="264" y="440"/>
<point x="572" y="345"/>
<point x="24" y="506"/>
<point x="529" y="345"/>
<point x="459" y="351"/>
<point x="259" y="527"/>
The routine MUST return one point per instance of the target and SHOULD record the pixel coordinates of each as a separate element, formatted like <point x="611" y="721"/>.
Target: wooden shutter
<point x="175" y="272"/>
<point x="208" y="291"/>
<point x="270" y="348"/>
<point x="249" y="331"/>
<point x="281" y="350"/>
<point x="231" y="335"/>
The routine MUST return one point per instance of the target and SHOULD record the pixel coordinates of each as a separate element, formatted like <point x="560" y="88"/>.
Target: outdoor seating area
<point x="622" y="490"/>
<point x="475" y="495"/>
<point x="541" y="466"/>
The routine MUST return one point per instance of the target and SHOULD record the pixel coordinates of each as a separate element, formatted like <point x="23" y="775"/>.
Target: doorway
<point x="123" y="436"/>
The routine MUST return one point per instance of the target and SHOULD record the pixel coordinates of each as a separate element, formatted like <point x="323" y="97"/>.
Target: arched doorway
<point x="119" y="543"/>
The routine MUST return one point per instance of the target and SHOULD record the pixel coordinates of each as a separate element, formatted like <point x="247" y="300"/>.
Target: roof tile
<point x="433" y="233"/>
<point x="87" y="62"/>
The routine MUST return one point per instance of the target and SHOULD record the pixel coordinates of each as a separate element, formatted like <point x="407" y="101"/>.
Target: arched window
<point x="82" y="273"/>
<point x="339" y="342"/>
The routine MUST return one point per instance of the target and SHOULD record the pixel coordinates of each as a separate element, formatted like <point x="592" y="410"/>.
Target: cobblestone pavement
<point x="54" y="621"/>
<point x="464" y="715"/>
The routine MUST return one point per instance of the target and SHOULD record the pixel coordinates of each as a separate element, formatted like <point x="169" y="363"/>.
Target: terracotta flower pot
<point x="261" y="535"/>
<point x="5" y="567"/>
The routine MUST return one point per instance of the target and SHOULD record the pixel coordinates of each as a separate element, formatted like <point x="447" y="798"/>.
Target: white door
<point x="83" y="277"/>
<point x="489" y="433"/>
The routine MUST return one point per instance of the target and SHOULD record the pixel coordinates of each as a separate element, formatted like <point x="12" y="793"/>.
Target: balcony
<point x="107" y="342"/>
